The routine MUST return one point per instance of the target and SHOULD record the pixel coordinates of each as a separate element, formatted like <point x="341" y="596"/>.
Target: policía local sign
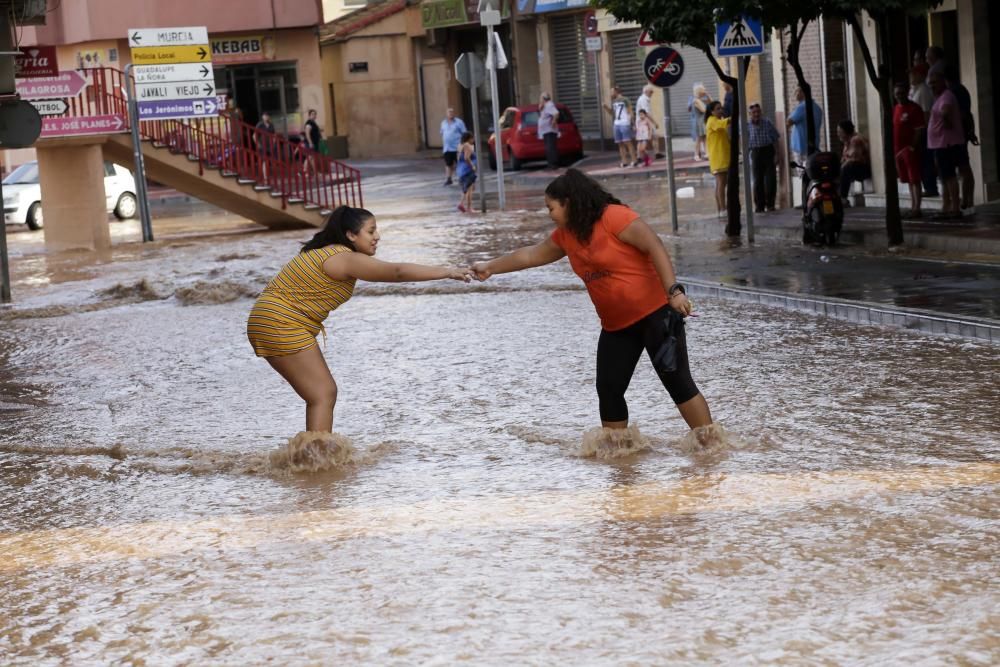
<point x="173" y="72"/>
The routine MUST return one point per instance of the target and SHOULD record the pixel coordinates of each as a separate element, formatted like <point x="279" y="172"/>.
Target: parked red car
<point x="519" y="137"/>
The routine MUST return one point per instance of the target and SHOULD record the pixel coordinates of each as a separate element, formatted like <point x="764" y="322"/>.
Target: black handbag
<point x="662" y="338"/>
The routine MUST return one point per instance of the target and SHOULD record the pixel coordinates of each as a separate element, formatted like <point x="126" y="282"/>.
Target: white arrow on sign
<point x="138" y="37"/>
<point x="50" y="107"/>
<point x="183" y="90"/>
<point x="174" y="73"/>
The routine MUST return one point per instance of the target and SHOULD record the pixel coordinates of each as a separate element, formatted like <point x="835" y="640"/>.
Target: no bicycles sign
<point x="663" y="66"/>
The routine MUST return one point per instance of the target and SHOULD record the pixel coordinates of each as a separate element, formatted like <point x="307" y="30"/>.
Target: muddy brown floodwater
<point x="849" y="517"/>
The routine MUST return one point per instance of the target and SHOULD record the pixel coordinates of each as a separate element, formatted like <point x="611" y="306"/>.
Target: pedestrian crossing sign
<point x="743" y="36"/>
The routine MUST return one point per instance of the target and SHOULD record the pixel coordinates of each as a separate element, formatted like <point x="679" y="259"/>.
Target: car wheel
<point x="493" y="162"/>
<point x="126" y="206"/>
<point x="515" y="162"/>
<point x="35" y="221"/>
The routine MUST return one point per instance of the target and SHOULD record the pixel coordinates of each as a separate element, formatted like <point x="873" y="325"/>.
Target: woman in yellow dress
<point x="717" y="138"/>
<point x="288" y="315"/>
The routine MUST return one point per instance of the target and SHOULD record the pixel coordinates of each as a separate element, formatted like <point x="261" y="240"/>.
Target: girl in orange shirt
<point x="631" y="282"/>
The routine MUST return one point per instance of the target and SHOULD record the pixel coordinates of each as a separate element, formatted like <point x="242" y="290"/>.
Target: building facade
<point x="265" y="55"/>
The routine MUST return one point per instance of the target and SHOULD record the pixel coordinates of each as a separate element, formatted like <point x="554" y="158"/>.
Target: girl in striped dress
<point x="289" y="314"/>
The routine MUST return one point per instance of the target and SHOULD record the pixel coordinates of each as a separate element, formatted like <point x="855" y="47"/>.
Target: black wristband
<point x="675" y="288"/>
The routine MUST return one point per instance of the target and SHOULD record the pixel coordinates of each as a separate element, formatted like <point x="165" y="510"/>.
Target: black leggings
<point x="617" y="354"/>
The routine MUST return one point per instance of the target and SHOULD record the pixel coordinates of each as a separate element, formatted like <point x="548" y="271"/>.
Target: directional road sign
<point x="159" y="55"/>
<point x="83" y="125"/>
<point x="138" y="37"/>
<point x="50" y="107"/>
<point x="663" y="66"/>
<point x="173" y="73"/>
<point x="741" y="37"/>
<point x="469" y="70"/>
<point x="67" y="84"/>
<point x="162" y="109"/>
<point x="183" y="90"/>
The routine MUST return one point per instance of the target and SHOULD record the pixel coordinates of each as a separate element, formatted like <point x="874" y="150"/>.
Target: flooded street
<point x="850" y="517"/>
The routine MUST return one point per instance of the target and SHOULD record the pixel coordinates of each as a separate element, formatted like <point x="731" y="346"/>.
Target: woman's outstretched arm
<point x="545" y="252"/>
<point x="348" y="265"/>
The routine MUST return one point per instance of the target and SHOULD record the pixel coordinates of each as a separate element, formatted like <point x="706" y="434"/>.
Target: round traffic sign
<point x="663" y="66"/>
<point x="590" y="25"/>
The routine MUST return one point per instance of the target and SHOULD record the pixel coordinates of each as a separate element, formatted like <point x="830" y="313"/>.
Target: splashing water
<point x="205" y="292"/>
<point x="313" y="451"/>
<point x="711" y="439"/>
<point x="613" y="443"/>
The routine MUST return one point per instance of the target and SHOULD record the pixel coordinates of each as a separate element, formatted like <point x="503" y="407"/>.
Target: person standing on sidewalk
<point x="699" y="111"/>
<point x="763" y="138"/>
<point x="645" y="136"/>
<point x="548" y="129"/>
<point x="946" y="137"/>
<point x="717" y="137"/>
<point x="621" y="114"/>
<point x="921" y="94"/>
<point x="645" y="103"/>
<point x="961" y="93"/>
<point x="797" y="124"/>
<point x="452" y="129"/>
<point x="908" y="127"/>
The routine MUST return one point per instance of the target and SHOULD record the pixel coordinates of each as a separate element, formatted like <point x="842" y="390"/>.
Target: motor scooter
<point x="822" y="209"/>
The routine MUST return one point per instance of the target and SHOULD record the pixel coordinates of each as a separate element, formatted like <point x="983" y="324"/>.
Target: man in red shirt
<point x="908" y="126"/>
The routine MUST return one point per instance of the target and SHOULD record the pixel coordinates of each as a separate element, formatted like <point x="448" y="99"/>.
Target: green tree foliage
<point x="692" y="22"/>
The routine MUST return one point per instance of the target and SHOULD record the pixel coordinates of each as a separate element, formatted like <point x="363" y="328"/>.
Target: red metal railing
<point x="293" y="172"/>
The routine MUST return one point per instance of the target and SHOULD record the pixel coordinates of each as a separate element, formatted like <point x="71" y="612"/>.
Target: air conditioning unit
<point x="25" y="12"/>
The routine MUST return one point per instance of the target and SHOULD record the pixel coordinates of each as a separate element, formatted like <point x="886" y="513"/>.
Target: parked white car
<point x="22" y="195"/>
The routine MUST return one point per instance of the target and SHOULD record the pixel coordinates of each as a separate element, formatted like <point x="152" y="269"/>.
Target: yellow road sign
<point x="158" y="55"/>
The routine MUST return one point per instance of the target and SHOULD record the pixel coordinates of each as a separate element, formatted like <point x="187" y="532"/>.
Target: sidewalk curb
<point x="856" y="312"/>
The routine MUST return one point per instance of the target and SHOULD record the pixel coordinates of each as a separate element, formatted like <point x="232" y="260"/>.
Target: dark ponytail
<point x="584" y="199"/>
<point x="344" y="219"/>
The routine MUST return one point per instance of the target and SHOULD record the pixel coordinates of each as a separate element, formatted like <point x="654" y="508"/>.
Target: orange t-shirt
<point x="620" y="278"/>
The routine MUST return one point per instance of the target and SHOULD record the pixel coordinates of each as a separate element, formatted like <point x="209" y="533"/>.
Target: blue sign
<point x="542" y="6"/>
<point x="742" y="37"/>
<point x="161" y="109"/>
<point x="663" y="66"/>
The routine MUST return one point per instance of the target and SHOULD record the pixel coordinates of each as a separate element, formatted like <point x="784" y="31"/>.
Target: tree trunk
<point x="733" y="210"/>
<point x="882" y="80"/>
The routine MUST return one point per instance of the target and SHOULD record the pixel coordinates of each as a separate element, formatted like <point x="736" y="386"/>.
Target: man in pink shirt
<point x="946" y="137"/>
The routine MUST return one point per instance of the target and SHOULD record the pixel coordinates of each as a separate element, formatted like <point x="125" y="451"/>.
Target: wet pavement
<point x="849" y="517"/>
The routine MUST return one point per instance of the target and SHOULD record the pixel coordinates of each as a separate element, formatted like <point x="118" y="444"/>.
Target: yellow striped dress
<point x="289" y="313"/>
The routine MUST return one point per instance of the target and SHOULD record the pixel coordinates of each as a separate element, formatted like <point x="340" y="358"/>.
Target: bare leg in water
<point x="311" y="379"/>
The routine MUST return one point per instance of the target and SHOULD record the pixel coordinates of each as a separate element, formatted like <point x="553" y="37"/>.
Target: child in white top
<point x="644" y="129"/>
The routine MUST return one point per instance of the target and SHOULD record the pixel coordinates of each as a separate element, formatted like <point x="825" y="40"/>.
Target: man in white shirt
<point x="645" y="103"/>
<point x="548" y="129"/>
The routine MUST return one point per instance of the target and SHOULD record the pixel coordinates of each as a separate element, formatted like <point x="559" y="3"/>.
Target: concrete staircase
<point x="184" y="172"/>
